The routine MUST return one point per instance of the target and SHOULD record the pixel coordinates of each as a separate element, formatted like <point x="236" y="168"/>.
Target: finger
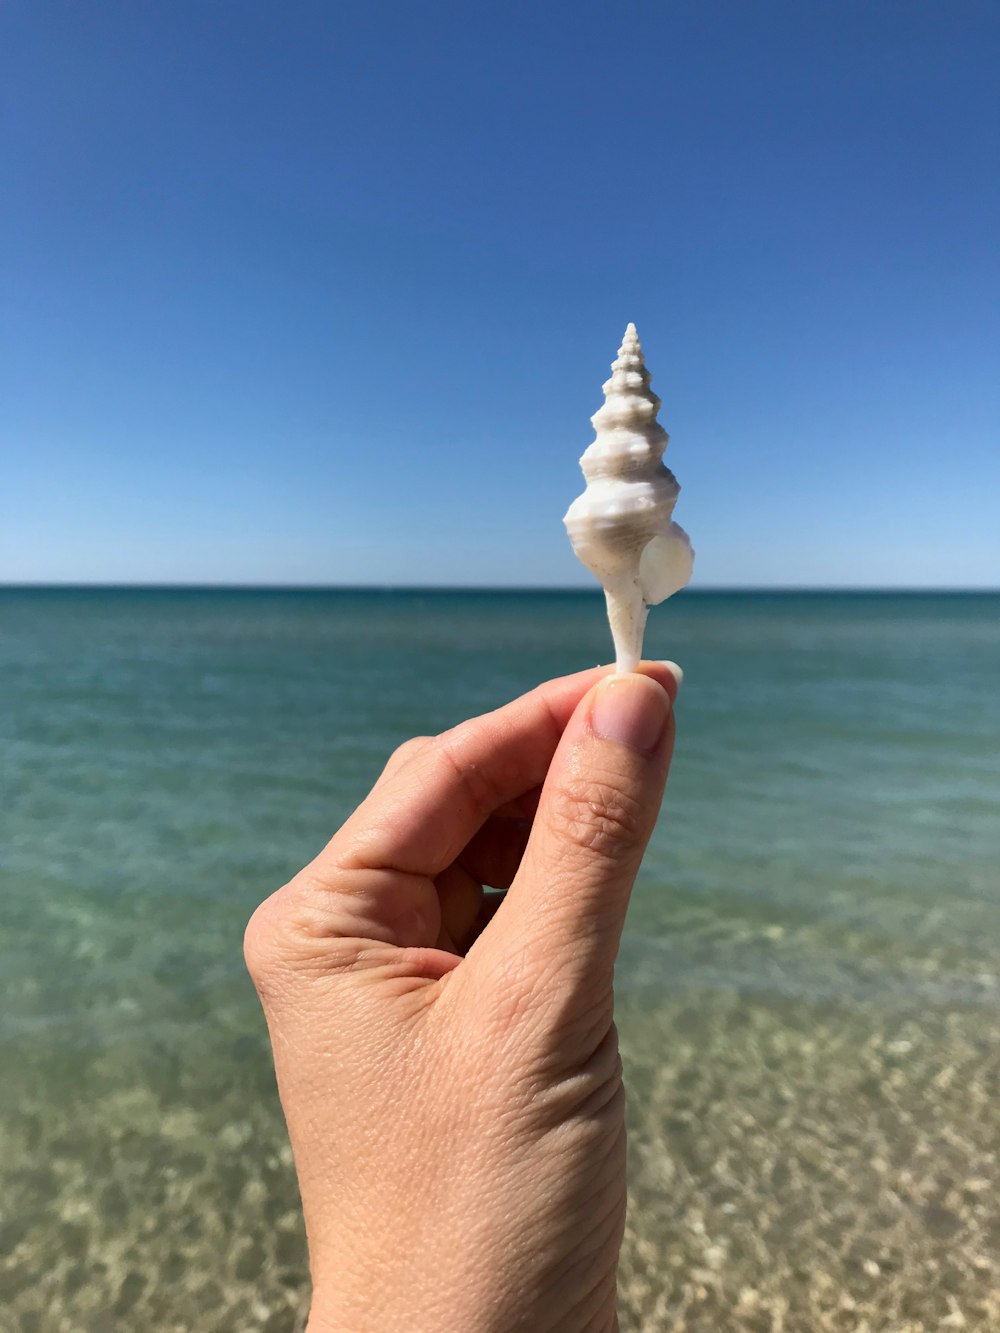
<point x="494" y="852"/>
<point x="528" y="803"/>
<point x="422" y="816"/>
<point x="400" y="757"/>
<point x="562" y="919"/>
<point x="488" y="909"/>
<point x="427" y="812"/>
<point x="376" y="875"/>
<point x="461" y="897"/>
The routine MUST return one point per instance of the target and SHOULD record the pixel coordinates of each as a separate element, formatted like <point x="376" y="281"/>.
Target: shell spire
<point x="621" y="527"/>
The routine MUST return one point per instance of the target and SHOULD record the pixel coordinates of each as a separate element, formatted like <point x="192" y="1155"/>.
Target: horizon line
<point x="541" y="589"/>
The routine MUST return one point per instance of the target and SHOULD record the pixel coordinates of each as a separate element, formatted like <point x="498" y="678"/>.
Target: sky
<point x="325" y="293"/>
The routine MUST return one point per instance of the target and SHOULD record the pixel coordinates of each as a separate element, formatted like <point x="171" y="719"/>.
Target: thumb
<point x="561" y="923"/>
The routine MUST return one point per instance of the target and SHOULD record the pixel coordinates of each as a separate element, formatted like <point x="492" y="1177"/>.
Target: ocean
<point x="808" y="986"/>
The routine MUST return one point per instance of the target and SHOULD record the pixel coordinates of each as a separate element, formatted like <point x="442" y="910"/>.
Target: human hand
<point x="451" y="1082"/>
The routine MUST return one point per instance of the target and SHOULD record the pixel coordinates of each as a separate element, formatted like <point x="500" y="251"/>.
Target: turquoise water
<point x="830" y="840"/>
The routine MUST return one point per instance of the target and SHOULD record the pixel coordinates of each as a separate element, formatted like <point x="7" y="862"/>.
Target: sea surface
<point x="808" y="988"/>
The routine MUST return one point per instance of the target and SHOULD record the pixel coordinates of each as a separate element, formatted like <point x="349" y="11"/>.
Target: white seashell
<point x="621" y="526"/>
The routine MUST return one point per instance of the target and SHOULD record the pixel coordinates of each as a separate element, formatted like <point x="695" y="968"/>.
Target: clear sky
<point x="325" y="292"/>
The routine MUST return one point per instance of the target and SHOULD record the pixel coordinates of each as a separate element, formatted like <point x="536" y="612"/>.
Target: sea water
<point x="808" y="985"/>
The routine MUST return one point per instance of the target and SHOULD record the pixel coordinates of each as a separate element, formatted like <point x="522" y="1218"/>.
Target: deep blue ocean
<point x="829" y="845"/>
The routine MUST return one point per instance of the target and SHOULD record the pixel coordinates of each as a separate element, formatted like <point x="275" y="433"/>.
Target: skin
<point x="449" y="1069"/>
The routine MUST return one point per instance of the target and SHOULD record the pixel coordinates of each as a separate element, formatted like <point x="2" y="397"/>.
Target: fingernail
<point x="676" y="671"/>
<point x="630" y="710"/>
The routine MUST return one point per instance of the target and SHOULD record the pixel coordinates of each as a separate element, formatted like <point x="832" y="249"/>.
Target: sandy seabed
<point x="797" y="1171"/>
<point x="792" y="1170"/>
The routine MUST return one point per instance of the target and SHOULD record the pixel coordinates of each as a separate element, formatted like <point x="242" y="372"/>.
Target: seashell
<point x="621" y="527"/>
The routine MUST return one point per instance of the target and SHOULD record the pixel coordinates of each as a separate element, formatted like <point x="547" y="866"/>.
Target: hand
<point x="450" y="1076"/>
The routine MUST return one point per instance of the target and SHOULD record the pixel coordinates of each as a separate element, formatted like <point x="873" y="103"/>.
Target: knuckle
<point x="408" y="749"/>
<point x="261" y="939"/>
<point x="402" y="755"/>
<point x="596" y="816"/>
<point x="293" y="936"/>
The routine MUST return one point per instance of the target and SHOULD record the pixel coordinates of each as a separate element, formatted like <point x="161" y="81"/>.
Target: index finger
<point x="423" y="815"/>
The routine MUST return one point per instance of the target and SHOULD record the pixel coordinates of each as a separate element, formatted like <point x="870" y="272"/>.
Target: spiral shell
<point x="621" y="527"/>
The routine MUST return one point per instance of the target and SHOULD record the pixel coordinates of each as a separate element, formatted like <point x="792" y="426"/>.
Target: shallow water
<point x="812" y="946"/>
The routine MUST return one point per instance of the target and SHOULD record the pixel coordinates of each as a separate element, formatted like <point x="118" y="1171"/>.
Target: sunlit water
<point x="812" y="945"/>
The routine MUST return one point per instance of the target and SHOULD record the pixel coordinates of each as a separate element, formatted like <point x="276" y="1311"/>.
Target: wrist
<point x="375" y="1311"/>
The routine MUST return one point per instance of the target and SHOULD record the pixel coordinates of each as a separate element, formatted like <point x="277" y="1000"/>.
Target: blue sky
<point x="325" y="293"/>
